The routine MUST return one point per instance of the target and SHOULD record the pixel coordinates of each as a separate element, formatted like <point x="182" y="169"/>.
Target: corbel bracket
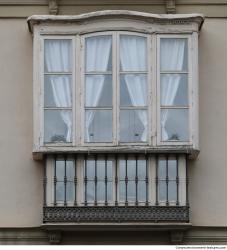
<point x="53" y="7"/>
<point x="170" y="6"/>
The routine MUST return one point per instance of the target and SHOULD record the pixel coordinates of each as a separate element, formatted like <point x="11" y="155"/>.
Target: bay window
<point x="116" y="114"/>
<point x="115" y="104"/>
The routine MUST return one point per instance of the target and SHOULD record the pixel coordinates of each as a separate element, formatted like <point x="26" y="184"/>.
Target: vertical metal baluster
<point x="167" y="180"/>
<point x="147" y="180"/>
<point x="96" y="180"/>
<point x="156" y="178"/>
<point x="75" y="180"/>
<point x="85" y="180"/>
<point x="106" y="203"/>
<point x="187" y="181"/>
<point x="55" y="180"/>
<point x="116" y="180"/>
<point x="126" y="180"/>
<point x="136" y="180"/>
<point x="177" y="178"/>
<point x="45" y="182"/>
<point x="65" y="181"/>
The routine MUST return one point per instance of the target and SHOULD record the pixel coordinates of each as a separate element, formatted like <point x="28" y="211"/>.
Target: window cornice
<point x="176" y="19"/>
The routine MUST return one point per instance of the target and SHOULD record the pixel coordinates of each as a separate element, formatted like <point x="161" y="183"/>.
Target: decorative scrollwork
<point x="116" y="214"/>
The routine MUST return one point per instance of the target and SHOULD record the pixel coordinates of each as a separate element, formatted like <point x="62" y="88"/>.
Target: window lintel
<point x="175" y="19"/>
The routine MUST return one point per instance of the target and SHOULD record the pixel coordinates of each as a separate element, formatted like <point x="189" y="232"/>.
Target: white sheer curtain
<point x="97" y="57"/>
<point x="133" y="58"/>
<point x="57" y="59"/>
<point x="172" y="59"/>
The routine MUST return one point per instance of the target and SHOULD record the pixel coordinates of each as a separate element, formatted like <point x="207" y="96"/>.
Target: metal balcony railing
<point x="116" y="188"/>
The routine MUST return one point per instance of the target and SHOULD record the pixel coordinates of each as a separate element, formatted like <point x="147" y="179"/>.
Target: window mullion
<point x="115" y="86"/>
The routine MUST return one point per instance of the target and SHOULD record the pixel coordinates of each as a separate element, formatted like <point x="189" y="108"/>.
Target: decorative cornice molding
<point x="170" y="6"/>
<point x="151" y="18"/>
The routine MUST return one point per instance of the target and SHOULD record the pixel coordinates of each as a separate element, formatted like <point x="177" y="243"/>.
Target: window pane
<point x="98" y="90"/>
<point x="98" y="53"/>
<point x="133" y="90"/>
<point x="100" y="191"/>
<point x="141" y="191"/>
<point x="174" y="54"/>
<point x="174" y="89"/>
<point x="60" y="170"/>
<point x="57" y="126"/>
<point x="57" y="91"/>
<point x="70" y="170"/>
<point x="109" y="170"/>
<point x="70" y="191"/>
<point x="110" y="191"/>
<point x="60" y="191"/>
<point x="133" y="125"/>
<point x="174" y="124"/>
<point x="162" y="190"/>
<point x="98" y="127"/>
<point x="131" y="169"/>
<point x="162" y="168"/>
<point x="90" y="169"/>
<point x="172" y="191"/>
<point x="122" y="191"/>
<point x="131" y="190"/>
<point x="141" y="169"/>
<point x="122" y="169"/>
<point x="133" y="53"/>
<point x="90" y="191"/>
<point x="172" y="168"/>
<point x="101" y="169"/>
<point x="57" y="55"/>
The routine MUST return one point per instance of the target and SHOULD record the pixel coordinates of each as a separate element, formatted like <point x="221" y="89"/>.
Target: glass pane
<point x="98" y="53"/>
<point x="141" y="191"/>
<point x="109" y="170"/>
<point x="133" y="90"/>
<point x="60" y="191"/>
<point x="57" y="126"/>
<point x="57" y="91"/>
<point x="90" y="169"/>
<point x="122" y="169"/>
<point x="98" y="91"/>
<point x="131" y="190"/>
<point x="133" y="53"/>
<point x="174" y="89"/>
<point x="162" y="168"/>
<point x="60" y="170"/>
<point x="122" y="191"/>
<point x="100" y="191"/>
<point x="98" y="127"/>
<point x="70" y="191"/>
<point x="172" y="168"/>
<point x="110" y="191"/>
<point x="70" y="170"/>
<point x="133" y="125"/>
<point x="131" y="169"/>
<point x="101" y="169"/>
<point x="174" y="54"/>
<point x="172" y="189"/>
<point x="141" y="169"/>
<point x="90" y="191"/>
<point x="57" y="55"/>
<point x="162" y="191"/>
<point x="174" y="124"/>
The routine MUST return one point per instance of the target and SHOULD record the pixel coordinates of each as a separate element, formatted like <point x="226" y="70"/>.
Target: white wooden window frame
<point x="190" y="90"/>
<point x="116" y="89"/>
<point x="77" y="35"/>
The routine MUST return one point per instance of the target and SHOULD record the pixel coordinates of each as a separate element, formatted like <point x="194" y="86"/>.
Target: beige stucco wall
<point x="21" y="177"/>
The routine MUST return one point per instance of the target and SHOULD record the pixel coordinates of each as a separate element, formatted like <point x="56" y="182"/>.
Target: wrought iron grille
<point x="116" y="187"/>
